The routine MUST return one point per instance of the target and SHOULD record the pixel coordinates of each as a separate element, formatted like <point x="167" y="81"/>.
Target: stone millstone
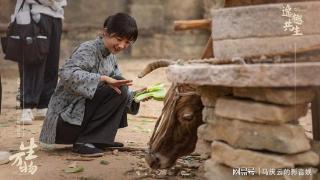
<point x="235" y="158"/>
<point x="284" y="96"/>
<point x="286" y="138"/>
<point x="216" y="171"/>
<point x="253" y="111"/>
<point x="253" y="75"/>
<point x="4" y="157"/>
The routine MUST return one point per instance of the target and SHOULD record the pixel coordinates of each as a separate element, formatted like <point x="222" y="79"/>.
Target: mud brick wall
<point x="155" y="19"/>
<point x="84" y="19"/>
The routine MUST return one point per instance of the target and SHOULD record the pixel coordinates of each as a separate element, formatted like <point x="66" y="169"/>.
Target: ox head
<point x="175" y="134"/>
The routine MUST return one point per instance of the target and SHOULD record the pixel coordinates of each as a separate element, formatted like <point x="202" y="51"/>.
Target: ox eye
<point x="187" y="117"/>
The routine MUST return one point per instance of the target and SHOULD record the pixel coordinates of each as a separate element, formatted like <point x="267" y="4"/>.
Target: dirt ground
<point x="124" y="164"/>
<point x="117" y="165"/>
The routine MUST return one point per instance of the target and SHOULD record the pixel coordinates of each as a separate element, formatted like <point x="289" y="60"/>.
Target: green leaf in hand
<point x="156" y="95"/>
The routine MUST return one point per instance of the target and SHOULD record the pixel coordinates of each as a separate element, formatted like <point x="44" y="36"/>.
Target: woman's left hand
<point x="114" y="83"/>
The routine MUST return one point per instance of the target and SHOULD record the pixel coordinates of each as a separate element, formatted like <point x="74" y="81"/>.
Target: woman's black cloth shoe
<point x="113" y="145"/>
<point x="87" y="151"/>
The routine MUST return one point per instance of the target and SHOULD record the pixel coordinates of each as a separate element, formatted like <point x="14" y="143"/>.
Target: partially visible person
<point x="92" y="98"/>
<point x="37" y="82"/>
<point x="0" y="93"/>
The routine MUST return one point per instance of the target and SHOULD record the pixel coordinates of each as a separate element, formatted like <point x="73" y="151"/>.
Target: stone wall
<point x="252" y="127"/>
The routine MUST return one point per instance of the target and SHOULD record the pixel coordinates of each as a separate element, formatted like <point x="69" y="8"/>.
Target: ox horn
<point x="155" y="65"/>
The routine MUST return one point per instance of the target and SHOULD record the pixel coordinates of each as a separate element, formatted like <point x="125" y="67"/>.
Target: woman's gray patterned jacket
<point x="79" y="79"/>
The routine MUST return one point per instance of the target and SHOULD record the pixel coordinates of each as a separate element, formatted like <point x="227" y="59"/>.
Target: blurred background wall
<point x="84" y="19"/>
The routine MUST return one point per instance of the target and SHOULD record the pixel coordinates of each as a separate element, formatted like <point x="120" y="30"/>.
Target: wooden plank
<point x="315" y="105"/>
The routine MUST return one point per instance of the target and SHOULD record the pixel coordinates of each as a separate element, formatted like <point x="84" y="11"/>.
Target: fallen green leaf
<point x="4" y="125"/>
<point x="74" y="169"/>
<point x="104" y="162"/>
<point x="90" y="178"/>
<point x="146" y="120"/>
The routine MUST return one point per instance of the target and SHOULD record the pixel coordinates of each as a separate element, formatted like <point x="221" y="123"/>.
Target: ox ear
<point x="187" y="116"/>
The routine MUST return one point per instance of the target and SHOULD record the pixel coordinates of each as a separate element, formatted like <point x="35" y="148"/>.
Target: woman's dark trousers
<point x="104" y="114"/>
<point x="38" y="82"/>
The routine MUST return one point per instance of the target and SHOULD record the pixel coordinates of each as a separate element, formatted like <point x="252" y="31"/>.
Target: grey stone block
<point x="256" y="75"/>
<point x="256" y="46"/>
<point x="284" y="96"/>
<point x="286" y="138"/>
<point x="262" y="21"/>
<point x="232" y="157"/>
<point x="252" y="111"/>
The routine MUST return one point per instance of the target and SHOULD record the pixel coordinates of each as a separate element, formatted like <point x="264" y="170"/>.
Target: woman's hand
<point x="115" y="84"/>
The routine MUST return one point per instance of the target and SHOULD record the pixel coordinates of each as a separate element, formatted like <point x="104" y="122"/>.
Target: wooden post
<point x="315" y="105"/>
<point x="208" y="50"/>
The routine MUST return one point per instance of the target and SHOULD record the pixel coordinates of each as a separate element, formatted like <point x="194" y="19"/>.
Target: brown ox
<point x="175" y="133"/>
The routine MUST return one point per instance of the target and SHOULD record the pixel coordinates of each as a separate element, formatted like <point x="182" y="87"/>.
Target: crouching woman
<point x="92" y="99"/>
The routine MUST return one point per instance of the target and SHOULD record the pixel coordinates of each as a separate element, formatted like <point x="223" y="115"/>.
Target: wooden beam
<point x="192" y="24"/>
